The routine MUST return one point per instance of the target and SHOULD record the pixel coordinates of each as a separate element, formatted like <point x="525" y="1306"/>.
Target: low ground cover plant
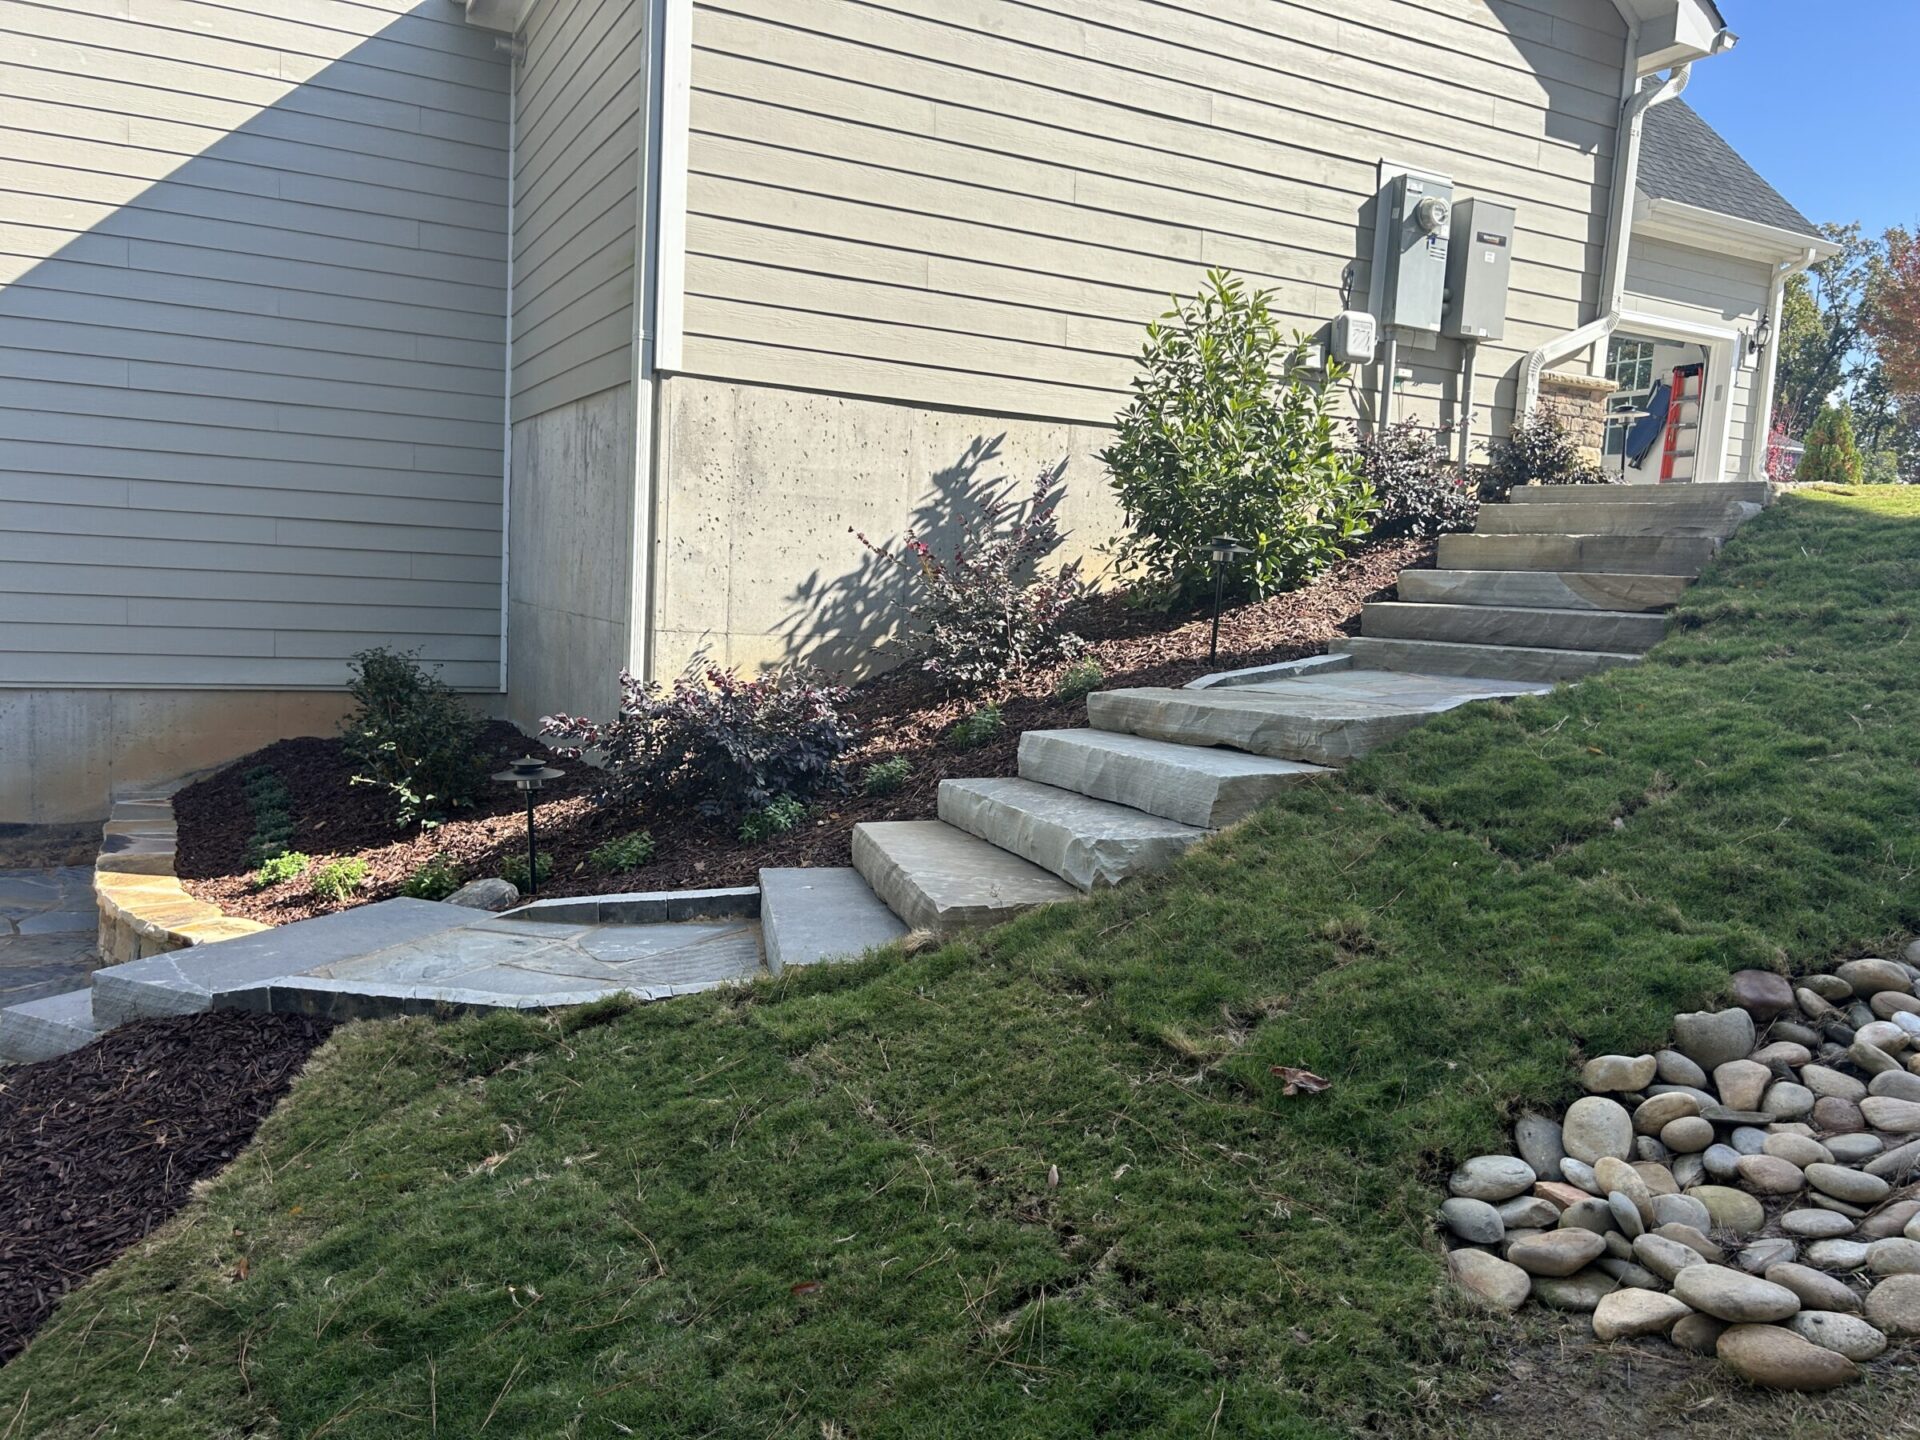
<point x="716" y="743"/>
<point x="271" y="805"/>
<point x="412" y="736"/>
<point x="884" y="777"/>
<point x="981" y="727"/>
<point x="780" y="817"/>
<point x="287" y="865"/>
<point x="513" y="870"/>
<point x="1230" y="434"/>
<point x="1416" y="489"/>
<point x="985" y="611"/>
<point x="434" y="878"/>
<point x="338" y="879"/>
<point x="1079" y="680"/>
<point x="629" y="852"/>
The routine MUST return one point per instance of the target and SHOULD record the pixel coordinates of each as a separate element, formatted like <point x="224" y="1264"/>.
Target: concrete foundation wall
<point x="761" y="488"/>
<point x="569" y="549"/>
<point x="62" y="752"/>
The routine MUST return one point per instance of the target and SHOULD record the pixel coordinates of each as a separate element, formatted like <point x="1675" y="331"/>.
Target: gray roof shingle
<point x="1682" y="158"/>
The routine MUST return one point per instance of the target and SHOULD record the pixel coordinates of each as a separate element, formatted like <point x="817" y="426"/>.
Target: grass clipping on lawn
<point x="1043" y="1183"/>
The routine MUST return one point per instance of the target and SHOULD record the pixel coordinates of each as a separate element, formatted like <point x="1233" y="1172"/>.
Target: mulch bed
<point x="899" y="713"/>
<point x="100" y="1147"/>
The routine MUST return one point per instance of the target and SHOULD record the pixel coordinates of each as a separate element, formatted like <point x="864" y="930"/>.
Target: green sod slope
<point x="1043" y="1184"/>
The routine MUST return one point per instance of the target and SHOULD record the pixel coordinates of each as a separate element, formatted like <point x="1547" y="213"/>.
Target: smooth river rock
<point x="1778" y="1359"/>
<point x="1741" y="1083"/>
<point x="1816" y="1224"/>
<point x="1710" y="1038"/>
<point x="1856" y="1187"/>
<point x="1489" y="1279"/>
<point x="1557" y="1253"/>
<point x="1770" y="1175"/>
<point x="1731" y="1209"/>
<point x="1761" y="993"/>
<point x="1615" y="1074"/>
<point x="1681" y="1210"/>
<point x="1895" y="1256"/>
<point x="1665" y="1258"/>
<point x="1596" y="1127"/>
<point x="1537" y="1138"/>
<point x="1627" y="1314"/>
<point x="1867" y="978"/>
<point x="1846" y="1335"/>
<point x="1731" y="1296"/>
<point x="1816" y="1290"/>
<point x="1893" y="1306"/>
<point x="1786" y="1100"/>
<point x="1474" y="1221"/>
<point x="1492" y="1178"/>
<point x="1579" y="1293"/>
<point x="1826" y="1082"/>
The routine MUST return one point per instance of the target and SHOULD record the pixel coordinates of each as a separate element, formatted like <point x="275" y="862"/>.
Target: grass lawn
<point x="1043" y="1183"/>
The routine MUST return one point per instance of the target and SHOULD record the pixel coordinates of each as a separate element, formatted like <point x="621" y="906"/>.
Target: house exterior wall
<point x="252" y="290"/>
<point x="953" y="218"/>
<point x="1723" y="292"/>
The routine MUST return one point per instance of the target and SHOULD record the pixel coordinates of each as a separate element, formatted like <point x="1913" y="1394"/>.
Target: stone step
<point x="1187" y="783"/>
<point x="1612" y="630"/>
<point x="184" y="982"/>
<point x="808" y="917"/>
<point x="1091" y="844"/>
<point x="1714" y="520"/>
<point x="1326" y="720"/>
<point x="45" y="1029"/>
<point x="940" y="879"/>
<point x="1504" y="662"/>
<point x="1580" y="554"/>
<point x="1745" y="492"/>
<point x="1542" y="589"/>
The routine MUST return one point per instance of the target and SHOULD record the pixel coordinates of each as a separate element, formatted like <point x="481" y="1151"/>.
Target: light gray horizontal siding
<point x="1709" y="289"/>
<point x="980" y="202"/>
<point x="576" y="161"/>
<point x="253" y="271"/>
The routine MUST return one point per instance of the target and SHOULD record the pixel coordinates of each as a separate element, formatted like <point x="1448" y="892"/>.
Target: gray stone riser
<point x="1191" y="784"/>
<point x="1503" y="662"/>
<point x="1542" y="589"/>
<point x="1091" y="844"/>
<point x="808" y="917"/>
<point x="940" y="879"/>
<point x="1580" y="554"/>
<point x="1621" y="632"/>
<point x="1747" y="492"/>
<point x="1712" y="521"/>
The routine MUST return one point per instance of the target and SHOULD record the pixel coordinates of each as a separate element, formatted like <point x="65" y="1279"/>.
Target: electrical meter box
<point x="1479" y="269"/>
<point x="1355" y="337"/>
<point x="1417" y="211"/>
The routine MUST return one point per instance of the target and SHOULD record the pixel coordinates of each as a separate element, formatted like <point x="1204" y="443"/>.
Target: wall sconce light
<point x="1760" y="337"/>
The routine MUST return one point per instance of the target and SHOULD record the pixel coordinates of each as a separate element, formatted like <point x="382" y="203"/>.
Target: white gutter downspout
<point x="1626" y="172"/>
<point x="1761" y="420"/>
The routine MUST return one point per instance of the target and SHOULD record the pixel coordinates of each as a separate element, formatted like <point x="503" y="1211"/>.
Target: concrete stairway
<point x="1563" y="583"/>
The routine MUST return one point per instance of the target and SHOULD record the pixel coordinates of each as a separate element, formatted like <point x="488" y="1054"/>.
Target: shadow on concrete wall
<point x="859" y="623"/>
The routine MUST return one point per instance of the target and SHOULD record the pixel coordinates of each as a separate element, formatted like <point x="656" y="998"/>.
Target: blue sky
<point x="1824" y="100"/>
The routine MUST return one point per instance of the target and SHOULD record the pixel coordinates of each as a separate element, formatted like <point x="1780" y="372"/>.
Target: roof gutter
<point x="1626" y="171"/>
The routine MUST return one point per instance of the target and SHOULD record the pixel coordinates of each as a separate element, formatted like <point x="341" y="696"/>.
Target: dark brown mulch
<point x="900" y="713"/>
<point x="100" y="1147"/>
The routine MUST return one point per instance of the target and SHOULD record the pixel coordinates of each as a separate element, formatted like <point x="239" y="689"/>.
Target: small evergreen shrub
<point x="715" y="744"/>
<point x="1537" y="451"/>
<point x="629" y="852"/>
<point x="1833" y="455"/>
<point x="779" y="817"/>
<point x="884" y="777"/>
<point x="1416" y="489"/>
<point x="1229" y="435"/>
<point x="272" y="806"/>
<point x="982" y="727"/>
<point x="1079" y="681"/>
<point x="434" y="878"/>
<point x="337" y="879"/>
<point x="513" y="870"/>
<point x="985" y="612"/>
<point x="288" y="865"/>
<point x="412" y="736"/>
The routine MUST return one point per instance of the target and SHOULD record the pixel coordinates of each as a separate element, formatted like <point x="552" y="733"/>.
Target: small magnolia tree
<point x="984" y="612"/>
<point x="1780" y="457"/>
<point x="1227" y="434"/>
<point x="1832" y="458"/>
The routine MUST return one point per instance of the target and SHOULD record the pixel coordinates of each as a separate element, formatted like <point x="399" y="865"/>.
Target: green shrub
<point x="783" y="815"/>
<point x="1833" y="456"/>
<point x="1228" y="434"/>
<point x="434" y="878"/>
<point x="278" y="869"/>
<point x="513" y="870"/>
<point x="337" y="879"/>
<point x="883" y="777"/>
<point x="272" y="806"/>
<point x="982" y="727"/>
<point x="412" y="736"/>
<point x="1537" y="451"/>
<point x="1079" y="681"/>
<point x="1416" y="489"/>
<point x="629" y="852"/>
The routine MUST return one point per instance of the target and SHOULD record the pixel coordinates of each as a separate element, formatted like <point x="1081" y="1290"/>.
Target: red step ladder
<point x="1680" y="452"/>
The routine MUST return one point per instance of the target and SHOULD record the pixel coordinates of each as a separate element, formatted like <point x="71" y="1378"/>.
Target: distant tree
<point x="1832" y="458"/>
<point x="1892" y="313"/>
<point x="1824" y="325"/>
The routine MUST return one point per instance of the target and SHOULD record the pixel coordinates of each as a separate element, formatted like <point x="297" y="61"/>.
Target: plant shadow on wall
<point x="857" y="622"/>
<point x="232" y="333"/>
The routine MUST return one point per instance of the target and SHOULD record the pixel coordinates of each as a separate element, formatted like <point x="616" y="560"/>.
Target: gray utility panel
<point x="1479" y="269"/>
<point x="1413" y="292"/>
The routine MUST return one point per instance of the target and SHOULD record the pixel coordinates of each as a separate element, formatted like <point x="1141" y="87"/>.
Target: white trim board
<point x="1724" y="345"/>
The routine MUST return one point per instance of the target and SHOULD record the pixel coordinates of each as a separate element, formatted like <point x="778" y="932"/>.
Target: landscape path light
<point x="529" y="773"/>
<point x="1226" y="550"/>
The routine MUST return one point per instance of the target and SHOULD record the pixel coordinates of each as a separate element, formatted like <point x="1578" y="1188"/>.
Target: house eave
<point x="1709" y="229"/>
<point x="1674" y="32"/>
<point x="505" y="17"/>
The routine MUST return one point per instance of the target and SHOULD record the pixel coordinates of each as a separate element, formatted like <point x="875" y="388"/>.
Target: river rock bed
<point x="1749" y="1193"/>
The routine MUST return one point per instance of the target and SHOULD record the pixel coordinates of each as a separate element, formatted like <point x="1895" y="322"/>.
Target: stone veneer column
<point x="1580" y="401"/>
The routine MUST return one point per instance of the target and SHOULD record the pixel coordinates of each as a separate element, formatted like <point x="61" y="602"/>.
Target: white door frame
<point x="1722" y="344"/>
